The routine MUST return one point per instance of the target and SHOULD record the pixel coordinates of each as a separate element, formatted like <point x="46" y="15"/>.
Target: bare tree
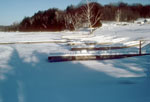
<point x="67" y="21"/>
<point x="118" y="15"/>
<point x="73" y="20"/>
<point x="76" y="20"/>
<point x="89" y="15"/>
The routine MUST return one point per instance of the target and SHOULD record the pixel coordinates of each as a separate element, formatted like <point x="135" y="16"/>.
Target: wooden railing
<point x="85" y="53"/>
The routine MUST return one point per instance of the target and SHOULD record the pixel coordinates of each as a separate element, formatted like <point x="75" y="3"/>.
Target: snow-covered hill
<point x="27" y="76"/>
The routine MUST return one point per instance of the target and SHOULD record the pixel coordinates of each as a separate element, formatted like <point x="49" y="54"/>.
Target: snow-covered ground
<point x="27" y="76"/>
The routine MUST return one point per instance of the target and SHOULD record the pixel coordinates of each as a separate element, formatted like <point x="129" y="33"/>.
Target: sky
<point x="15" y="10"/>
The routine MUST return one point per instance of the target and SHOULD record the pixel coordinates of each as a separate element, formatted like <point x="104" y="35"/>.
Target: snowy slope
<point x="27" y="76"/>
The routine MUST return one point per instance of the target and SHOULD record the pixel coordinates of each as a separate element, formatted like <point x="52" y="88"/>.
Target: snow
<point x="27" y="76"/>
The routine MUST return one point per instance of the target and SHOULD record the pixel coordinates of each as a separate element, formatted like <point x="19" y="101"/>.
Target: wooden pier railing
<point x="90" y="57"/>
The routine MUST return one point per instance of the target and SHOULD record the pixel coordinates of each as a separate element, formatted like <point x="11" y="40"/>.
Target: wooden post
<point x="140" y="52"/>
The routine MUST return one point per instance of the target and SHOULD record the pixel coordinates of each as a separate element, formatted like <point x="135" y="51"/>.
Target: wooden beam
<point x="89" y="57"/>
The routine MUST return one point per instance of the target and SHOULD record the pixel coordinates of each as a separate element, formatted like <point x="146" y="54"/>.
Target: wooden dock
<point x="90" y="57"/>
<point x="104" y="48"/>
<point x="99" y="48"/>
<point x="33" y="42"/>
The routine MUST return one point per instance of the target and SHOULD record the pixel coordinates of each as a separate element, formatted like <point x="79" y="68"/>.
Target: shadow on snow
<point x="68" y="82"/>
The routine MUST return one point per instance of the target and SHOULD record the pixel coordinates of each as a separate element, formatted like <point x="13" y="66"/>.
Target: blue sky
<point x="15" y="10"/>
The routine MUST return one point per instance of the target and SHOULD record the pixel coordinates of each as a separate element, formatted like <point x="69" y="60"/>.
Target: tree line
<point x="84" y="15"/>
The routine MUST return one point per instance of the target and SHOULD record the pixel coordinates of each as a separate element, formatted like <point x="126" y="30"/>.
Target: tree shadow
<point x="46" y="81"/>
